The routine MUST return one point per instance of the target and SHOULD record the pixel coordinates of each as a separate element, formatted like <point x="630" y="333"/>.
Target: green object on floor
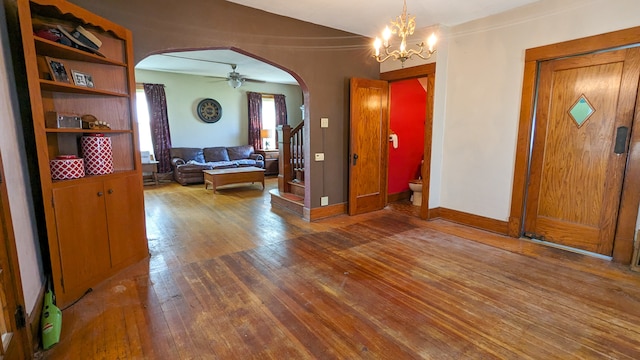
<point x="51" y="321"/>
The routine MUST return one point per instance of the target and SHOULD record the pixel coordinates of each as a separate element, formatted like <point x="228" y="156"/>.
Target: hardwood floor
<point x="231" y="278"/>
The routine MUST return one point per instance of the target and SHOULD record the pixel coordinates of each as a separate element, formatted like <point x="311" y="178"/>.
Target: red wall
<point x="408" y="112"/>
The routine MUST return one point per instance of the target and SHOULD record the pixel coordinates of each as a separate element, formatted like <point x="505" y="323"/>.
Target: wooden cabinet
<point x="270" y="161"/>
<point x="95" y="224"/>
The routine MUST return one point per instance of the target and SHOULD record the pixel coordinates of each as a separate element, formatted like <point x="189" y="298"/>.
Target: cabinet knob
<point x="110" y="191"/>
<point x="100" y="193"/>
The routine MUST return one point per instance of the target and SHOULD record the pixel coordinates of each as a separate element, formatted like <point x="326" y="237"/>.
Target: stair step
<point x="297" y="188"/>
<point x="287" y="201"/>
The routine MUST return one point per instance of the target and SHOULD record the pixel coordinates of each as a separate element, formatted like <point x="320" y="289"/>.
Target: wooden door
<point x="125" y="215"/>
<point x="575" y="181"/>
<point x="14" y="337"/>
<point x="83" y="238"/>
<point x="368" y="145"/>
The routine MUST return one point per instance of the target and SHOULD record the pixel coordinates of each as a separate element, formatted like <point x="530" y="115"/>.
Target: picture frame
<point x="57" y="70"/>
<point x="82" y="79"/>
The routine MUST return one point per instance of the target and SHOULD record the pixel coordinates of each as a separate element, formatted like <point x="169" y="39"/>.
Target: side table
<point x="150" y="171"/>
<point x="270" y="161"/>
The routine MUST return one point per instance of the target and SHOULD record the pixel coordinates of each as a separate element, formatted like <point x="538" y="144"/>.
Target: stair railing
<point x="291" y="146"/>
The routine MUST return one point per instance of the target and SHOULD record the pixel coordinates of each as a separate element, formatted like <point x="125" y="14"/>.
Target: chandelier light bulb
<point x="431" y="41"/>
<point x="386" y="35"/>
<point x="376" y="45"/>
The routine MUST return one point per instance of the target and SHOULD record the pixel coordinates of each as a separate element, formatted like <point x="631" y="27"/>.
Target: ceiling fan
<point x="235" y="80"/>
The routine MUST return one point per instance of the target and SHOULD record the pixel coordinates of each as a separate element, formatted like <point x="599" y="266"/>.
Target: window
<point x="268" y="133"/>
<point x="144" y="129"/>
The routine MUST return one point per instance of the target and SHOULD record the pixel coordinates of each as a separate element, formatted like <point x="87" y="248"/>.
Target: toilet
<point x="416" y="187"/>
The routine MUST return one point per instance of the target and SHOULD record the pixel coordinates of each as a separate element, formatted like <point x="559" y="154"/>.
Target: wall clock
<point x="209" y="110"/>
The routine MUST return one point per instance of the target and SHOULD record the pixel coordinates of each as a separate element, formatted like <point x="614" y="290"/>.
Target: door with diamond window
<point x="583" y="120"/>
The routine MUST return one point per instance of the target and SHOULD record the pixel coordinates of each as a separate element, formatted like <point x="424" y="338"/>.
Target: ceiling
<point x="215" y="63"/>
<point x="338" y="14"/>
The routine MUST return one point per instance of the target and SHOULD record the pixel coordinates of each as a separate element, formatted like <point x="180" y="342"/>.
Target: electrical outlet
<point x="324" y="122"/>
<point x="324" y="201"/>
<point x="319" y="156"/>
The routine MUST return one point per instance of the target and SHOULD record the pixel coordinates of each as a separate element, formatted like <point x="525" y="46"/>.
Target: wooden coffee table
<point x="219" y="177"/>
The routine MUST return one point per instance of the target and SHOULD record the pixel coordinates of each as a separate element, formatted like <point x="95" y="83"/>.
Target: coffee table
<point x="220" y="177"/>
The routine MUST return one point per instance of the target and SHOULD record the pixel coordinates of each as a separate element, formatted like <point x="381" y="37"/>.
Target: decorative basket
<point x="66" y="167"/>
<point x="98" y="154"/>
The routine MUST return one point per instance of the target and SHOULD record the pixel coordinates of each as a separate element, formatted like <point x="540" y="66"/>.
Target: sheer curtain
<point x="255" y="119"/>
<point x="159" y="124"/>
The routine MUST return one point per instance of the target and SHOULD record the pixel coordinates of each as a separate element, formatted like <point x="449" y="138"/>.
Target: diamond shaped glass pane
<point x="581" y="111"/>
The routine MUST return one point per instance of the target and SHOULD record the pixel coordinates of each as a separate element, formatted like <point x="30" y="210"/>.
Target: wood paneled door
<point x="368" y="145"/>
<point x="583" y="120"/>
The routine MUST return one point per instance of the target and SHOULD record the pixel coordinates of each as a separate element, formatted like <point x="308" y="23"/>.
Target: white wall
<point x="185" y="91"/>
<point x="478" y="87"/>
<point x="484" y="83"/>
<point x="17" y="180"/>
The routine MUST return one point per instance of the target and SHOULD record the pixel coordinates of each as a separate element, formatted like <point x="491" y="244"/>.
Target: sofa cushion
<point x="246" y="162"/>
<point x="240" y="152"/>
<point x="222" y="164"/>
<point x="192" y="167"/>
<point x="214" y="154"/>
<point x="187" y="154"/>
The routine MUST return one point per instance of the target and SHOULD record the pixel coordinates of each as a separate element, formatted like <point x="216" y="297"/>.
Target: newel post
<point x="284" y="163"/>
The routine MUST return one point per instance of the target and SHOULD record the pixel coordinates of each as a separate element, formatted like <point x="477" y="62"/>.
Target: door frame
<point x="21" y="340"/>
<point x="628" y="213"/>
<point x="421" y="71"/>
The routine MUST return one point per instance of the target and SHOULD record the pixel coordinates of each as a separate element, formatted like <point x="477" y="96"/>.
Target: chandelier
<point x="403" y="26"/>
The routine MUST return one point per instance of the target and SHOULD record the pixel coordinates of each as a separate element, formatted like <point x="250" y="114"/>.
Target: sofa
<point x="188" y="163"/>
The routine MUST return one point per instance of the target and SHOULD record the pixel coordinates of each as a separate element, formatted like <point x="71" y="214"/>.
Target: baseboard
<point x="476" y="221"/>
<point x="34" y="319"/>
<point x="403" y="195"/>
<point x="325" y="211"/>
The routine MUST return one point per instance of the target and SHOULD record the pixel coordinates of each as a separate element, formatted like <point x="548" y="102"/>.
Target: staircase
<point x="291" y="190"/>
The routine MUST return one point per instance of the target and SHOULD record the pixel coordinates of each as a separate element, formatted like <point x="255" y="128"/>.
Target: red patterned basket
<point x="97" y="152"/>
<point x="66" y="167"/>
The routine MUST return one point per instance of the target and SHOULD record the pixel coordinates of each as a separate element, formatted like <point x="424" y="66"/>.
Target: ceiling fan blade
<point x="254" y="80"/>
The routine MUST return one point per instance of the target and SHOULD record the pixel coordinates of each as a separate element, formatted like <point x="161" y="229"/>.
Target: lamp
<point x="403" y="26"/>
<point x="235" y="82"/>
<point x="266" y="134"/>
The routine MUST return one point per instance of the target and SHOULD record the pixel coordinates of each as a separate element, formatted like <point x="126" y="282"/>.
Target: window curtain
<point x="159" y="124"/>
<point x="281" y="109"/>
<point x="281" y="113"/>
<point x="255" y="119"/>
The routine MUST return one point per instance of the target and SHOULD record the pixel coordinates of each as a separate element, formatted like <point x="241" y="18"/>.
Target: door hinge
<point x="21" y="318"/>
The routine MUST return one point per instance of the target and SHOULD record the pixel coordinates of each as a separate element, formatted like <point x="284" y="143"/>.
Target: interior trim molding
<point x="325" y="211"/>
<point x="476" y="221"/>
<point x="34" y="319"/>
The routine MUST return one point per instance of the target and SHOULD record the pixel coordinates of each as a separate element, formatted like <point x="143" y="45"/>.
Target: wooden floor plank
<point x="231" y="278"/>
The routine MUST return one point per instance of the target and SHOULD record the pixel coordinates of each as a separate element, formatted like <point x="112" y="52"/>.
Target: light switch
<point x="319" y="156"/>
<point x="324" y="122"/>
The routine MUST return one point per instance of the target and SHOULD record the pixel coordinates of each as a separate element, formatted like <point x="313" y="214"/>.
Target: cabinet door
<point x="125" y="214"/>
<point x="83" y="240"/>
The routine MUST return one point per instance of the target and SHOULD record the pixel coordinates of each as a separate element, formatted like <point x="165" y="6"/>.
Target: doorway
<point x="367" y="195"/>
<point x="427" y="75"/>
<point x="572" y="187"/>
<point x="583" y="118"/>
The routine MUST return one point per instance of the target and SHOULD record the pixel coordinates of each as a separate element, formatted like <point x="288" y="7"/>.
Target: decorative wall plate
<point x="209" y="110"/>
